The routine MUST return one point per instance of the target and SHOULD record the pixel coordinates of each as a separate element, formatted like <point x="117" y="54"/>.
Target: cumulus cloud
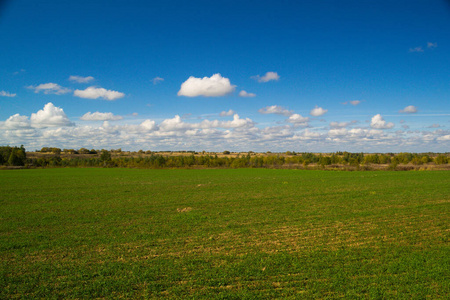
<point x="50" y="88"/>
<point x="81" y="79"/>
<point x="379" y="123"/>
<point x="275" y="109"/>
<point x="339" y="124"/>
<point x="176" y="124"/>
<point x="214" y="86"/>
<point x="50" y="116"/>
<point x="94" y="93"/>
<point x="268" y="77"/>
<point x="444" y="138"/>
<point x="431" y="45"/>
<point x="408" y="110"/>
<point x="98" y="116"/>
<point x="307" y="135"/>
<point x="318" y="111"/>
<point x="236" y="123"/>
<point x="227" y="113"/>
<point x="338" y="132"/>
<point x="6" y="94"/>
<point x="148" y="125"/>
<point x="245" y="94"/>
<point x="238" y="134"/>
<point x="434" y="126"/>
<point x="173" y="124"/>
<point x="298" y="120"/>
<point x="17" y="122"/>
<point x="157" y="80"/>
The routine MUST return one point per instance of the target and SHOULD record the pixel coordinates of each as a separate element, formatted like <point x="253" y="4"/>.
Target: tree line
<point x="16" y="156"/>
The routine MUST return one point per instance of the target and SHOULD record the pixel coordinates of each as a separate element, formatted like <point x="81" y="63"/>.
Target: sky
<point x="304" y="76"/>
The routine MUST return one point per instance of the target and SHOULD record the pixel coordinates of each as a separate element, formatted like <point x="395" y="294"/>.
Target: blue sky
<point x="318" y="76"/>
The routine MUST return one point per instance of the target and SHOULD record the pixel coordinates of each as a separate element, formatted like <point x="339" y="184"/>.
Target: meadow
<point x="224" y="234"/>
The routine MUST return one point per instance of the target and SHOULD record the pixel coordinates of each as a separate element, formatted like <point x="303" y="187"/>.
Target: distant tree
<point x="324" y="160"/>
<point x="226" y="152"/>
<point x="55" y="150"/>
<point x="5" y="152"/>
<point x="83" y="151"/>
<point x="441" y="160"/>
<point x="17" y="156"/>
<point x="105" y="156"/>
<point x="384" y="159"/>
<point x="426" y="159"/>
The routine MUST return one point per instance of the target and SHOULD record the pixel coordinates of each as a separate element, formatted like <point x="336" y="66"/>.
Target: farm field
<point x="224" y="234"/>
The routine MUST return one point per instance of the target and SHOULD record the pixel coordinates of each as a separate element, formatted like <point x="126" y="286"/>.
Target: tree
<point x="440" y="159"/>
<point x="17" y="156"/>
<point x="105" y="156"/>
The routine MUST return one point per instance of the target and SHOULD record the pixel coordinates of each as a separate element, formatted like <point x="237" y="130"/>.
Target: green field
<point x="224" y="234"/>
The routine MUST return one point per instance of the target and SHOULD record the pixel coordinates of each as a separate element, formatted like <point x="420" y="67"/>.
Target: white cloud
<point x="50" y="88"/>
<point x="173" y="124"/>
<point x="318" y="111"/>
<point x="214" y="135"/>
<point x="148" y="125"/>
<point x="307" y="135"/>
<point x="431" y="45"/>
<point x="6" y="94"/>
<point x="339" y="124"/>
<point x="236" y="123"/>
<point x="81" y="79"/>
<point x="245" y="94"/>
<point x="379" y="123"/>
<point x="227" y="113"/>
<point x="50" y="126"/>
<point x="94" y="93"/>
<point x="408" y="110"/>
<point x="157" y="80"/>
<point x="434" y="126"/>
<point x="275" y="109"/>
<point x="17" y="122"/>
<point x="416" y="49"/>
<point x="298" y="120"/>
<point x="338" y="132"/>
<point x="98" y="116"/>
<point x="214" y="86"/>
<point x="444" y="138"/>
<point x="176" y="124"/>
<point x="50" y="116"/>
<point x="268" y="77"/>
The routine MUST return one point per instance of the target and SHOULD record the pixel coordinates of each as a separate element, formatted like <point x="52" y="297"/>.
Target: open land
<point x="224" y="233"/>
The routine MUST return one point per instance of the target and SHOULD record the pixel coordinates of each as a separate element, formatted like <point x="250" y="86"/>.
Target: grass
<point x="224" y="234"/>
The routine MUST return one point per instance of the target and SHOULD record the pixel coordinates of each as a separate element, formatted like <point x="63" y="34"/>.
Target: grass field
<point x="224" y="234"/>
